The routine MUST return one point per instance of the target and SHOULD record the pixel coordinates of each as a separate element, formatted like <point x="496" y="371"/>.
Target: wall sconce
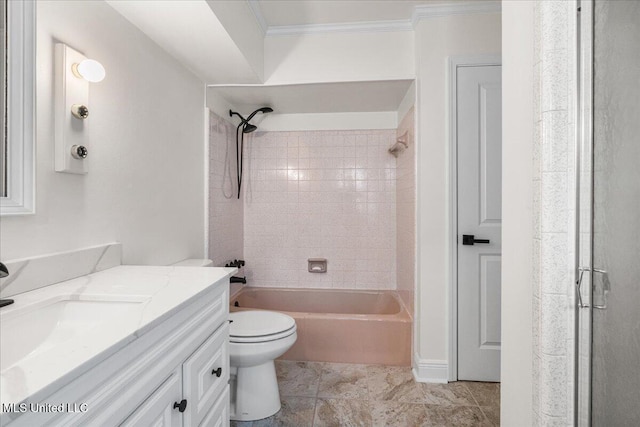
<point x="90" y="70"/>
<point x="73" y="73"/>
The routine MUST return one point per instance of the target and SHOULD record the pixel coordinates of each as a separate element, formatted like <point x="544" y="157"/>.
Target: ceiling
<point x="317" y="12"/>
<point x="193" y="34"/>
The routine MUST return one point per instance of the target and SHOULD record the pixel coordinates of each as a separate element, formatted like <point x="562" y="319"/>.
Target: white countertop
<point x="157" y="293"/>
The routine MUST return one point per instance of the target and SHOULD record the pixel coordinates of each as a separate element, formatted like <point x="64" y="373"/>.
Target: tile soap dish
<point x="317" y="265"/>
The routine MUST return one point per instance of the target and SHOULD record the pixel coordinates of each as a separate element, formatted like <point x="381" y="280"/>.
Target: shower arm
<point x="242" y="119"/>
<point x="262" y="110"/>
<point x="243" y="122"/>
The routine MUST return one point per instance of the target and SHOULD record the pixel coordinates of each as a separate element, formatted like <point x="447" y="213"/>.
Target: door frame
<point x="456" y="62"/>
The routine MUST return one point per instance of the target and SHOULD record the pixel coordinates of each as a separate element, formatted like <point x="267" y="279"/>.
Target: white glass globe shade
<point x="91" y="70"/>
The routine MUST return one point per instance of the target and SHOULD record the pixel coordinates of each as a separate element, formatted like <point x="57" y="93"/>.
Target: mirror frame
<point x="20" y="105"/>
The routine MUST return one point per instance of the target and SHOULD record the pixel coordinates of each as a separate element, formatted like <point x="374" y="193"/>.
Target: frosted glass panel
<point x="616" y="216"/>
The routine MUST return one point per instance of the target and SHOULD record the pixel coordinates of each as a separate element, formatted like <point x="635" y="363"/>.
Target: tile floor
<point x="333" y="394"/>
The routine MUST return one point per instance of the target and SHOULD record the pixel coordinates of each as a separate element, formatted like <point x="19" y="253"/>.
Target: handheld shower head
<point x="262" y="110"/>
<point x="246" y="128"/>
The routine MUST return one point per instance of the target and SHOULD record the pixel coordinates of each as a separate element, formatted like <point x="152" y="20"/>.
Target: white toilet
<point x="256" y="339"/>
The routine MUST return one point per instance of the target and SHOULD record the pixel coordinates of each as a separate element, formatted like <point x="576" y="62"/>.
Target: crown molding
<point x="347" y="27"/>
<point x="429" y="11"/>
<point x="254" y="5"/>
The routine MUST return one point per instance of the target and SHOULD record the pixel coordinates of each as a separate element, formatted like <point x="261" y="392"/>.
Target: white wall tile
<point x="555" y="81"/>
<point x="553" y="324"/>
<point x="322" y="194"/>
<point x="553" y="212"/>
<point x="553" y="263"/>
<point x="554" y="203"/>
<point x="554" y="150"/>
<point x="554" y="29"/>
<point x="553" y="391"/>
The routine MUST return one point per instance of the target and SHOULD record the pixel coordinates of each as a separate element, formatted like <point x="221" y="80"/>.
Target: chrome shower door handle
<point x="606" y="287"/>
<point x="578" y="287"/>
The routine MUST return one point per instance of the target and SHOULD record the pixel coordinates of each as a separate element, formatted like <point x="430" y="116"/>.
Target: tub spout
<point x="236" y="279"/>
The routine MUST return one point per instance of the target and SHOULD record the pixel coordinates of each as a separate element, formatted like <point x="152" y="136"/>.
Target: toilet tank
<point x="194" y="263"/>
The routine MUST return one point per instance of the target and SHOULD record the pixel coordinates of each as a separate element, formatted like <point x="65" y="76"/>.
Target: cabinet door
<point x="206" y="374"/>
<point x="218" y="416"/>
<point x="158" y="409"/>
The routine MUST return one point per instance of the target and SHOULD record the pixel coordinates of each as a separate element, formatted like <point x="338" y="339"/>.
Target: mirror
<point x="17" y="118"/>
<point x="3" y="99"/>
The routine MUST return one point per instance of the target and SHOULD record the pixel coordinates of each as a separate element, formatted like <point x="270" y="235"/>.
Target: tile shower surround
<point x="320" y="194"/>
<point x="406" y="212"/>
<point x="554" y="216"/>
<point x="226" y="228"/>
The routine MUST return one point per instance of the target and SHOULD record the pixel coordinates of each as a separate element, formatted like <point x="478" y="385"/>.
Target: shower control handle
<point x="470" y="239"/>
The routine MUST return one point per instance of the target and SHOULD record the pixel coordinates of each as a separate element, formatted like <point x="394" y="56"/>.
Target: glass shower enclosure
<point x="608" y="207"/>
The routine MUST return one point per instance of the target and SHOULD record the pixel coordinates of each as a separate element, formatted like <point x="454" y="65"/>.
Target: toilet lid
<point x="248" y="324"/>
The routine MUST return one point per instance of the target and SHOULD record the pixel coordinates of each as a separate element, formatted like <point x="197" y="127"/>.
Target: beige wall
<point x="145" y="186"/>
<point x="437" y="40"/>
<point x="339" y="57"/>
<point x="517" y="213"/>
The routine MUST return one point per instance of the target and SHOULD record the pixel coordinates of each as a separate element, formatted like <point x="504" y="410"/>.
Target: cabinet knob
<point x="217" y="372"/>
<point x="180" y="406"/>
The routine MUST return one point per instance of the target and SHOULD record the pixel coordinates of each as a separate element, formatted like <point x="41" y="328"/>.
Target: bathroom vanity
<point x="129" y="345"/>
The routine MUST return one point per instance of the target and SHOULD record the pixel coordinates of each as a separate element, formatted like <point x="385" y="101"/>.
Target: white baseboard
<point x="430" y="371"/>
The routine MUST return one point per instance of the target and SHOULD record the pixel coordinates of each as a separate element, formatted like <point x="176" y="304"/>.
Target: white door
<point x="479" y="201"/>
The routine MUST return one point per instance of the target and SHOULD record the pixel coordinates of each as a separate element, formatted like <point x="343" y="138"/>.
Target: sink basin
<point x="37" y="328"/>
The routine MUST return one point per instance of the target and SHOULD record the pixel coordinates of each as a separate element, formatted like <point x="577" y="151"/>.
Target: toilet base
<point x="255" y="392"/>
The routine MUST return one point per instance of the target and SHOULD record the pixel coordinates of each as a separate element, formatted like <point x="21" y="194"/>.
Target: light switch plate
<point x="69" y="131"/>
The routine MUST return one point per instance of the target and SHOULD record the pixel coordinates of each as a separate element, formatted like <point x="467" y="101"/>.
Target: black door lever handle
<point x="470" y="239"/>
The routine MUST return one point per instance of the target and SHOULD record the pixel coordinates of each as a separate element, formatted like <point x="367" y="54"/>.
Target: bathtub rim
<point x="402" y="315"/>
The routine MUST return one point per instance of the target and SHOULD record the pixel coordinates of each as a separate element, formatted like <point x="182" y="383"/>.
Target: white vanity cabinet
<point x="189" y="393"/>
<point x="175" y="374"/>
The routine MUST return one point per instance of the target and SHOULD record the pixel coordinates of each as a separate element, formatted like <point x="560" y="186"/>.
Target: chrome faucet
<point x="4" y="272"/>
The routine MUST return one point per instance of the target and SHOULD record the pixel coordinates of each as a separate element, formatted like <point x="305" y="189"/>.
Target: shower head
<point x="248" y="128"/>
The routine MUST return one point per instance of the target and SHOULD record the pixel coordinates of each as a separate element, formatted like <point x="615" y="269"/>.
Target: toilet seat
<point x="260" y="326"/>
<point x="263" y="338"/>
